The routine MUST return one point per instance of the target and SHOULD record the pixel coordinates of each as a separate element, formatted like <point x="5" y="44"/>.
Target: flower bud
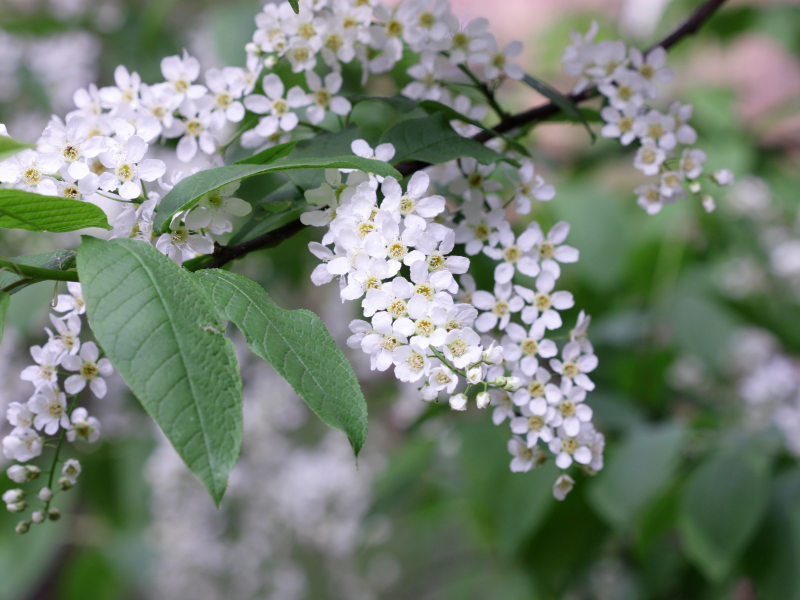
<point x="37" y="516"/>
<point x="252" y="48"/>
<point x="483" y="399"/>
<point x="493" y="354"/>
<point x="33" y="472"/>
<point x="722" y="177"/>
<point x="45" y="494"/>
<point x="16" y="507"/>
<point x="458" y="402"/>
<point x="500" y="381"/>
<point x="708" y="203"/>
<point x="695" y="187"/>
<point x="12" y="496"/>
<point x="64" y="483"/>
<point x="428" y="394"/>
<point x="475" y="375"/>
<point x="54" y="514"/>
<point x="512" y="384"/>
<point x="17" y="473"/>
<point x="22" y="527"/>
<point x="563" y="486"/>
<point x="270" y="61"/>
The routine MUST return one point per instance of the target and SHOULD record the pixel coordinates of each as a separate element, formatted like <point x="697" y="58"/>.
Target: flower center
<point x="426" y="289"/>
<point x="181" y="85"/>
<point x="194" y="127"/>
<point x="500" y="308"/>
<point x="571" y="369"/>
<point x="415" y="361"/>
<point x="397" y="308"/>
<point x="224" y="100"/>
<point x="652" y="196"/>
<point x="323" y="98"/>
<point x="646" y="71"/>
<point x="442" y="377"/>
<point x="397" y="250"/>
<point x="425" y="326"/>
<point x="54" y="409"/>
<point x="364" y="228"/>
<point x="334" y="42"/>
<point x="125" y="172"/>
<point x="32" y="176"/>
<point x="451" y="325"/>
<point x="427" y="20"/>
<point x="461" y="41"/>
<point x="529" y="346"/>
<point x="158" y="111"/>
<point x="71" y="191"/>
<point x="535" y="423"/>
<point x="306" y="30"/>
<point x="625" y="124"/>
<point x="300" y="54"/>
<point x="542" y="301"/>
<point x="569" y="445"/>
<point x="546" y="250"/>
<point x="671" y="181"/>
<point x="389" y="342"/>
<point x="567" y="408"/>
<point x="511" y="254"/>
<point x="436" y="262"/>
<point x="89" y="370"/>
<point x="394" y="28"/>
<point x="655" y="131"/>
<point x="71" y="153"/>
<point x="648" y="157"/>
<point x="624" y="92"/>
<point x="481" y="231"/>
<point x="407" y="205"/>
<point x="499" y="60"/>
<point x="372" y="283"/>
<point x="458" y="347"/>
<point x="536" y="388"/>
<point x="475" y="180"/>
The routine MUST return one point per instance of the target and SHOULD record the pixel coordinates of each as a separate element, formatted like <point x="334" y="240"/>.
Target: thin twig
<point x="225" y="254"/>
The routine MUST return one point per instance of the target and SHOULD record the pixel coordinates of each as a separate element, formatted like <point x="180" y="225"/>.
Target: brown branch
<point x="225" y="254"/>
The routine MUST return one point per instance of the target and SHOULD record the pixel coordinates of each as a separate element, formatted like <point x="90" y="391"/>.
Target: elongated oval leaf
<point x="563" y="102"/>
<point x="189" y="191"/>
<point x="433" y="140"/>
<point x="60" y="260"/>
<point x="9" y="147"/>
<point x="5" y="302"/>
<point x="298" y="346"/>
<point x="34" y="212"/>
<point x="269" y="155"/>
<point x="639" y="468"/>
<point x="722" y="505"/>
<point x="155" y="324"/>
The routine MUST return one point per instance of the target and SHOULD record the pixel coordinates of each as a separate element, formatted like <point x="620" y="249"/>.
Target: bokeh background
<point x="695" y="320"/>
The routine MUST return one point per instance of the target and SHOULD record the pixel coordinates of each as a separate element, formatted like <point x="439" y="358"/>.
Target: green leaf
<point x="295" y="4"/>
<point x="433" y="107"/>
<point x="161" y="333"/>
<point x="322" y="145"/>
<point x="298" y="346"/>
<point x="563" y="102"/>
<point x="189" y="191"/>
<point x="9" y="147"/>
<point x="281" y="206"/>
<point x="34" y="212"/>
<point x="269" y="155"/>
<point x="433" y="140"/>
<point x="400" y="104"/>
<point x="722" y="505"/>
<point x="5" y="302"/>
<point x="637" y="471"/>
<point x="60" y="260"/>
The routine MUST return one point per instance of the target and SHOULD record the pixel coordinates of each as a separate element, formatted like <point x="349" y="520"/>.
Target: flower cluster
<point x="629" y="78"/>
<point x="52" y="410"/>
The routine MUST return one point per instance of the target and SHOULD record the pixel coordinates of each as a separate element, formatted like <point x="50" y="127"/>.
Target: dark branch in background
<point x="225" y="254"/>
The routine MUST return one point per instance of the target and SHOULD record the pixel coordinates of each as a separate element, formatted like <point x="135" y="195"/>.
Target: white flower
<point x="28" y="169"/>
<point x="180" y="73"/>
<point x="129" y="168"/>
<point x="708" y="203"/>
<point x="465" y="44"/>
<point x="496" y="63"/>
<point x="44" y="371"/>
<point x="226" y="87"/>
<point x="681" y="113"/>
<point x="483" y="399"/>
<point x="67" y="331"/>
<point x="626" y="90"/>
<point x="575" y="366"/>
<point x="651" y="68"/>
<point x="22" y="444"/>
<point x="71" y="470"/>
<point x="514" y="255"/>
<point x="691" y="163"/>
<point x="562" y="487"/>
<point x="619" y="124"/>
<point x="568" y="448"/>
<point x="551" y="249"/>
<point x="533" y="392"/>
<point x="535" y="427"/>
<point x="504" y="408"/>
<point x="73" y="302"/>
<point x="462" y="347"/>
<point x="412" y="202"/>
<point x="17" y="473"/>
<point x="479" y="228"/>
<point x="83" y="427"/>
<point x="124" y="95"/>
<point x="650" y="198"/>
<point x="526" y="345"/>
<point x="722" y="177"/>
<point x="524" y="457"/>
<point x="649" y="158"/>
<point x="545" y="303"/>
<point x="50" y="408"/>
<point x="180" y="240"/>
<point x="531" y="187"/>
<point x="89" y="370"/>
<point x="442" y="378"/>
<point x="672" y="184"/>
<point x="474" y="182"/>
<point x="302" y="55"/>
<point x="568" y="403"/>
<point x="70" y="143"/>
<point x="278" y="109"/>
<point x="19" y="415"/>
<point x="220" y="204"/>
<point x="160" y="101"/>
<point x="657" y="128"/>
<point x="411" y="362"/>
<point x="324" y="98"/>
<point x="458" y="402"/>
<point x="427" y="79"/>
<point x="380" y="341"/>
<point x="499" y="306"/>
<point x="578" y="333"/>
<point x="194" y="128"/>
